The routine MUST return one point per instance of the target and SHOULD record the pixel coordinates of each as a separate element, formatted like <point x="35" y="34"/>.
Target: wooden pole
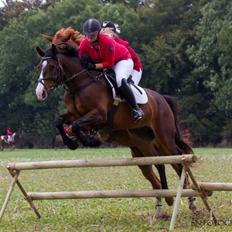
<point x="215" y="186"/>
<point x="177" y="200"/>
<point x="8" y="195"/>
<point x="109" y="194"/>
<point x="203" y="194"/>
<point x="28" y="199"/>
<point x="101" y="162"/>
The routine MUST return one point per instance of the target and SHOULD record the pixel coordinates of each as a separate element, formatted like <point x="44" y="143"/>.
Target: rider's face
<point x="92" y="38"/>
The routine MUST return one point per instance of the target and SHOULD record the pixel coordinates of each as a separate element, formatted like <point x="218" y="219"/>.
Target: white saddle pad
<point x="139" y="93"/>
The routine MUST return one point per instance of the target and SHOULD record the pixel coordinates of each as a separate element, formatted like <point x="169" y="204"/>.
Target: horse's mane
<point x="65" y="34"/>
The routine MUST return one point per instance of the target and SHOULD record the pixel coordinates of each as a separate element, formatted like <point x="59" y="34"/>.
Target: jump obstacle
<point x="199" y="189"/>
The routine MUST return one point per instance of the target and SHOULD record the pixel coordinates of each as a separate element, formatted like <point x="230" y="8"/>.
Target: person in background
<point x="9" y="135"/>
<point x="106" y="53"/>
<point x="113" y="30"/>
<point x="8" y="132"/>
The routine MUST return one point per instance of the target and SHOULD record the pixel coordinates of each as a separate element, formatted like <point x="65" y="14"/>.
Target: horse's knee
<point x="76" y="128"/>
<point x="59" y="121"/>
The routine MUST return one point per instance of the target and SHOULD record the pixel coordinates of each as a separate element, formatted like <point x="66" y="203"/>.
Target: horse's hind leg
<point x="162" y="174"/>
<point x="178" y="168"/>
<point x="163" y="180"/>
<point x="151" y="177"/>
<point x="172" y="150"/>
<point x="166" y="144"/>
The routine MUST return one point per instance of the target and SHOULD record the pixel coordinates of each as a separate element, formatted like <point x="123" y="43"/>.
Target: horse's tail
<point x="182" y="146"/>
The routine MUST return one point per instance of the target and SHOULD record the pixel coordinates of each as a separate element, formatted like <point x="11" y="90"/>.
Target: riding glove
<point x="87" y="63"/>
<point x="91" y="66"/>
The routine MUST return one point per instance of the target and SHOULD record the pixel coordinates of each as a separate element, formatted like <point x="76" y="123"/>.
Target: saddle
<point x="139" y="93"/>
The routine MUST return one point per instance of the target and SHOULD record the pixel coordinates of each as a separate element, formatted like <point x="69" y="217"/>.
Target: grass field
<point x="129" y="215"/>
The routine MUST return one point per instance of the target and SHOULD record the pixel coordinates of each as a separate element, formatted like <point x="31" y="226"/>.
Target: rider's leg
<point x="136" y="76"/>
<point x="123" y="70"/>
<point x="127" y="93"/>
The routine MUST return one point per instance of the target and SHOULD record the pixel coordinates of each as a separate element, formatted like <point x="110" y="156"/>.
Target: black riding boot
<point x="127" y="94"/>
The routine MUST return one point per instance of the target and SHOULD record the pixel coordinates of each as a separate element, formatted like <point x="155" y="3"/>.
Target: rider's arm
<point x="108" y="46"/>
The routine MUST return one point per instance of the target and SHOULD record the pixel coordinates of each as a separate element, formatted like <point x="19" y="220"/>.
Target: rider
<point x="137" y="69"/>
<point x="9" y="135"/>
<point x="106" y="53"/>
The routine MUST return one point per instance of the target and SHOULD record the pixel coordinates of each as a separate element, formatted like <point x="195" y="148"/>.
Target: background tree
<point x="185" y="47"/>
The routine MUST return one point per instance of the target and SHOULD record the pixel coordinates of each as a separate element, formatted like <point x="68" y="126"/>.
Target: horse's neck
<point x="81" y="79"/>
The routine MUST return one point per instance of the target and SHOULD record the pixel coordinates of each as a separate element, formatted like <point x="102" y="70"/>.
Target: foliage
<point x="210" y="55"/>
<point x="185" y="47"/>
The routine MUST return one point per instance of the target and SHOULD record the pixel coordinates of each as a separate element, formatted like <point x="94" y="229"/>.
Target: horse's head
<point x="50" y="72"/>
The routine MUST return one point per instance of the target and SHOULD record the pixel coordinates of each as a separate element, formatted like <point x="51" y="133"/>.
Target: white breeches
<point x="136" y="76"/>
<point x="9" y="138"/>
<point x="123" y="69"/>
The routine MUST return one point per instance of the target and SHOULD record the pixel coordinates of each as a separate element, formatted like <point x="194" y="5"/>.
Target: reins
<point x="75" y="76"/>
<point x="61" y="78"/>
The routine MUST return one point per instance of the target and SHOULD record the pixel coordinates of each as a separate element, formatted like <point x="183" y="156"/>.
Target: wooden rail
<point x="101" y="162"/>
<point x="199" y="189"/>
<point x="110" y="194"/>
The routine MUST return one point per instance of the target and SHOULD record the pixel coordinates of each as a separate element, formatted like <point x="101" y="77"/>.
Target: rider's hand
<point x="91" y="66"/>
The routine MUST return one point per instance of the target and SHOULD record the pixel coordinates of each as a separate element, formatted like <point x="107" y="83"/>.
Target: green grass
<point x="107" y="214"/>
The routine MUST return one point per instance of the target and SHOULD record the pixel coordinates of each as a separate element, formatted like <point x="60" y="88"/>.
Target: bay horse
<point x="88" y="100"/>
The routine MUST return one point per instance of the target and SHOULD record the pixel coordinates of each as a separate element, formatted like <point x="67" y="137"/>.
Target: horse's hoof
<point x="92" y="142"/>
<point x="169" y="200"/>
<point x="73" y="145"/>
<point x="193" y="208"/>
<point x="162" y="216"/>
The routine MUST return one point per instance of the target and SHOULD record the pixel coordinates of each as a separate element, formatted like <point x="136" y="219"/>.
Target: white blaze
<point x="40" y="91"/>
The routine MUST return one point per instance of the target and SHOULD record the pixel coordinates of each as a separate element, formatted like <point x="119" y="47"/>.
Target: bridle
<point x="59" y="78"/>
<point x="59" y="75"/>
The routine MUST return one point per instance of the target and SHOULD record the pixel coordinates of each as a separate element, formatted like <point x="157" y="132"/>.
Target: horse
<point x="9" y="140"/>
<point x="89" y="102"/>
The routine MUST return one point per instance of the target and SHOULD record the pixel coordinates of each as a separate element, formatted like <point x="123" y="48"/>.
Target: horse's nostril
<point x="44" y="94"/>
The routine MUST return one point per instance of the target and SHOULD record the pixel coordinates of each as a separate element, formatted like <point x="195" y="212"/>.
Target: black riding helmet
<point x="113" y="26"/>
<point x="91" y="26"/>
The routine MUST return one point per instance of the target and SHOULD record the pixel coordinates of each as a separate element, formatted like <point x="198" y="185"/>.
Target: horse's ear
<point x="54" y="48"/>
<point x="40" y="51"/>
<point x="47" y="37"/>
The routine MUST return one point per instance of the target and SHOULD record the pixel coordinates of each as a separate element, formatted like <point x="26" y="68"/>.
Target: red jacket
<point x="8" y="132"/>
<point x="137" y="62"/>
<point x="106" y="51"/>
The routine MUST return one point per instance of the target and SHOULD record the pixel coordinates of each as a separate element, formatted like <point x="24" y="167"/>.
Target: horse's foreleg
<point x="92" y="119"/>
<point x="59" y="122"/>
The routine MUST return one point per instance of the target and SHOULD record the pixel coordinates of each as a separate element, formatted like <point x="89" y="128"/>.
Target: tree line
<point x="185" y="47"/>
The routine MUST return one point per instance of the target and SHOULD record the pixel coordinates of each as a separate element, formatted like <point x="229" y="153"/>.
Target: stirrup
<point x="137" y="114"/>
